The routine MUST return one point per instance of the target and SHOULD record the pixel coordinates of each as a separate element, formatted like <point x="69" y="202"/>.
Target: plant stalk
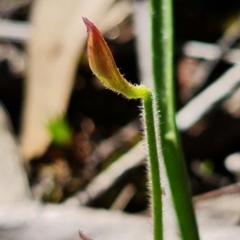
<point x="153" y="168"/>
<point x="162" y="68"/>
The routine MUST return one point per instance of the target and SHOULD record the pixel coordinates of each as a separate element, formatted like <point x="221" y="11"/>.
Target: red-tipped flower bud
<point x="103" y="65"/>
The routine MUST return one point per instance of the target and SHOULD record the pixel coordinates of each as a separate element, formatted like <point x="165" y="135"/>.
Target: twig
<point x="209" y="51"/>
<point x="224" y="43"/>
<point x="206" y="100"/>
<point x="107" y="178"/>
<point x="124" y="197"/>
<point x="203" y="50"/>
<point x="14" y="30"/>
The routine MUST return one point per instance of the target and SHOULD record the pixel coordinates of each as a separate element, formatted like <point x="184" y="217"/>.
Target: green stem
<point x="153" y="168"/>
<point x="162" y="60"/>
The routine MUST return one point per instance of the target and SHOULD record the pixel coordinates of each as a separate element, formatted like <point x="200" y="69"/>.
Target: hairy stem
<point x="153" y="168"/>
<point x="162" y="67"/>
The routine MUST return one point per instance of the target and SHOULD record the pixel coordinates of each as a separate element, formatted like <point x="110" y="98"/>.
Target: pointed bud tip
<point x="83" y="237"/>
<point x="88" y="23"/>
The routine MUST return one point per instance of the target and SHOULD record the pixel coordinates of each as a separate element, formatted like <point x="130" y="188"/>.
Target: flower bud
<point x="104" y="67"/>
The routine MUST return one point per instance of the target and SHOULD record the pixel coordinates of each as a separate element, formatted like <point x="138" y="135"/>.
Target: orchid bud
<point x="104" y="67"/>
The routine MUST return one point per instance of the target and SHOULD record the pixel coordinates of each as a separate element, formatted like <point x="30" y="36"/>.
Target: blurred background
<point x="76" y="138"/>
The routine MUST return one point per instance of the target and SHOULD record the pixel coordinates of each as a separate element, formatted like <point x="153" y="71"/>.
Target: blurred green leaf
<point x="60" y="131"/>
